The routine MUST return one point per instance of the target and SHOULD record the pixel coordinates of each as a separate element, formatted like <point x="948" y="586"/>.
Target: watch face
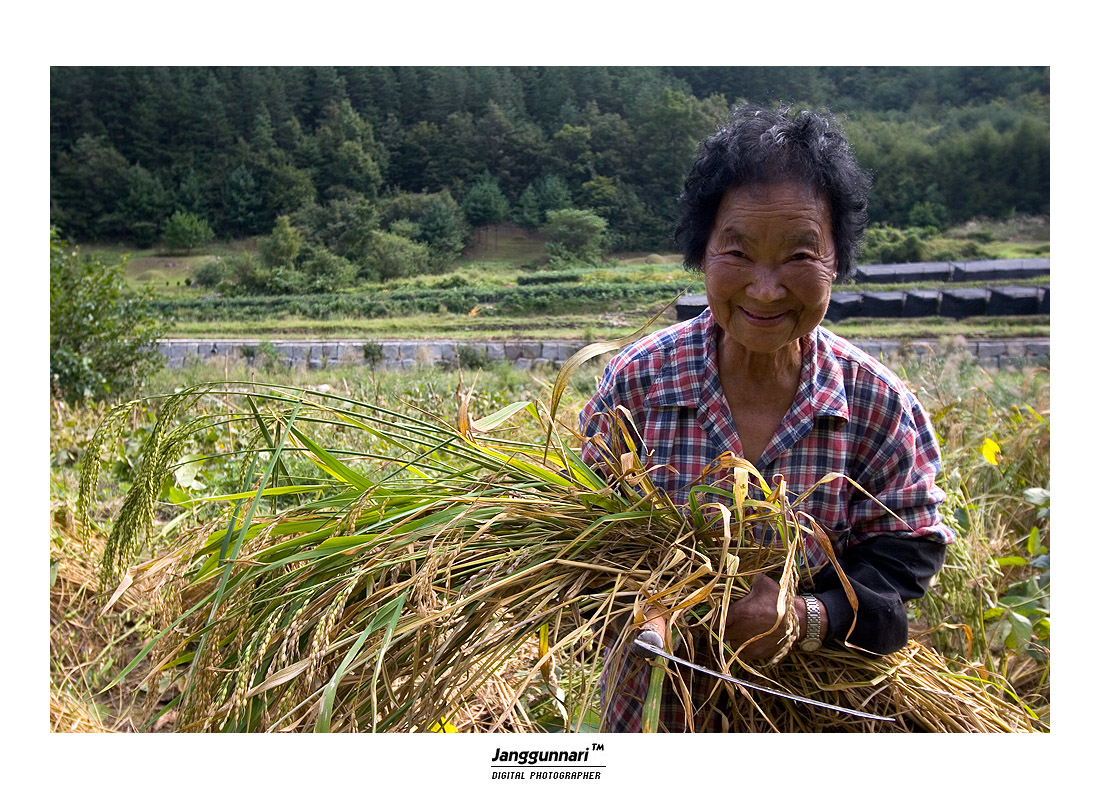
<point x="810" y="645"/>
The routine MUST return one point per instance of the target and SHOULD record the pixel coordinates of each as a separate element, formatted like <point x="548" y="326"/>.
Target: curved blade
<point x="657" y="651"/>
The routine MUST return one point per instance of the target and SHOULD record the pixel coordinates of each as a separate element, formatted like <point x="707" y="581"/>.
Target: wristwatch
<point x="812" y="640"/>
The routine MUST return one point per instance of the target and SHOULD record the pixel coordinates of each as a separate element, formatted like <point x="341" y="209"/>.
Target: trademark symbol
<point x="596" y="746"/>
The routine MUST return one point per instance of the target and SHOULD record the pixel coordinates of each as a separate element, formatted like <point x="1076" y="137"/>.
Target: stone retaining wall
<point x="524" y="354"/>
<point x="391" y="354"/>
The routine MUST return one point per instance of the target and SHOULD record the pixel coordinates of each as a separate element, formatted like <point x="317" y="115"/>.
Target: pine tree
<point x="485" y="203"/>
<point x="242" y="203"/>
<point x="281" y="248"/>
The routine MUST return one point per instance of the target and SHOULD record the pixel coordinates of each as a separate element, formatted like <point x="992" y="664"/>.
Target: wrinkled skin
<point x="752" y="615"/>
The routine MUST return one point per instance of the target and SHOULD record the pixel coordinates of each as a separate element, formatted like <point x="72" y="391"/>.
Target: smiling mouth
<point x="763" y="317"/>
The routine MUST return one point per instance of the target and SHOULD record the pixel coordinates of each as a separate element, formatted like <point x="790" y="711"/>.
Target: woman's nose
<point x="766" y="285"/>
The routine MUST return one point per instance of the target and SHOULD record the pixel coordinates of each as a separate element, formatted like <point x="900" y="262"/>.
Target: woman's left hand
<point x="756" y="613"/>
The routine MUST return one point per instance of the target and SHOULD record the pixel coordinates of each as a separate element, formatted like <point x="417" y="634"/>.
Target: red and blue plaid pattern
<point x="851" y="416"/>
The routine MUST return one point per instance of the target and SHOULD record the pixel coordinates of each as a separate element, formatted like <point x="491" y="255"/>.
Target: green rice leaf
<point x="331" y="465"/>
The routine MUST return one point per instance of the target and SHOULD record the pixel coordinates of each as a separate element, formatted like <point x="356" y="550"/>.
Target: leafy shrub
<point x="324" y="271"/>
<point x="372" y="354"/>
<point x="472" y="358"/>
<point x="435" y="220"/>
<point x="227" y="288"/>
<point x="574" y="234"/>
<point x="185" y="232"/>
<point x="286" y="280"/>
<point x="102" y="334"/>
<point x="406" y="228"/>
<point x="954" y="250"/>
<point x="926" y="214"/>
<point x="392" y="256"/>
<point x="886" y="245"/>
<point x="343" y="226"/>
<point x="454" y="281"/>
<point x="246" y="271"/>
<point x="564" y="276"/>
<point x="210" y="273"/>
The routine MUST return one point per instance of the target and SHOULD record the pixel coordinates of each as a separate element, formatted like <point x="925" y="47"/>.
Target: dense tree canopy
<point x="239" y="147"/>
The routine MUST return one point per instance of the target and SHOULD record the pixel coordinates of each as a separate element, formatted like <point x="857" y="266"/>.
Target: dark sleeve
<point x="884" y="573"/>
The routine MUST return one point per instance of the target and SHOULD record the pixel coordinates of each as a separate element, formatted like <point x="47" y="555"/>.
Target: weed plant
<point x="991" y="603"/>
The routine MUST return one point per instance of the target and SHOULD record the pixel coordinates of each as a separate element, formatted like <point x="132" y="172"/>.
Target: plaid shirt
<point x="851" y="415"/>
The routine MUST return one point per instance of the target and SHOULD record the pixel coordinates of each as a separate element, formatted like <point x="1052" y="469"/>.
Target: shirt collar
<point x="822" y="384"/>
<point x="690" y="363"/>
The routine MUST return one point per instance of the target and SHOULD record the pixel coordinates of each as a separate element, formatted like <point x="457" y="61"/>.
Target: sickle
<point x="645" y="644"/>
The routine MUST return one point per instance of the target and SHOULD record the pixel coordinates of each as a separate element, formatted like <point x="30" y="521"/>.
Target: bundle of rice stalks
<point x="915" y="689"/>
<point x="423" y="559"/>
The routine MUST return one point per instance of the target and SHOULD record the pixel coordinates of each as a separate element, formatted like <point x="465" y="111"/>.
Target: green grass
<point x="164" y="271"/>
<point x="510" y="256"/>
<point x="1022" y="249"/>
<point x="459" y="327"/>
<point x="936" y="327"/>
<point x="1019" y="237"/>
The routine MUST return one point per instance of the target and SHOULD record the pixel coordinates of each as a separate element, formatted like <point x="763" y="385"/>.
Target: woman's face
<point x="769" y="264"/>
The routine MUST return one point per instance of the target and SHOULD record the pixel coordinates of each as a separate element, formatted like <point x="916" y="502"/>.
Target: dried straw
<point x="404" y="600"/>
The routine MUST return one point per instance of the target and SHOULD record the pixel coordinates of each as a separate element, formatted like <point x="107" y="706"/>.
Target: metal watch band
<point x="812" y="640"/>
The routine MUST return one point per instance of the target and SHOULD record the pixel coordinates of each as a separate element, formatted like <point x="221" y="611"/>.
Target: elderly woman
<point x="772" y="214"/>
